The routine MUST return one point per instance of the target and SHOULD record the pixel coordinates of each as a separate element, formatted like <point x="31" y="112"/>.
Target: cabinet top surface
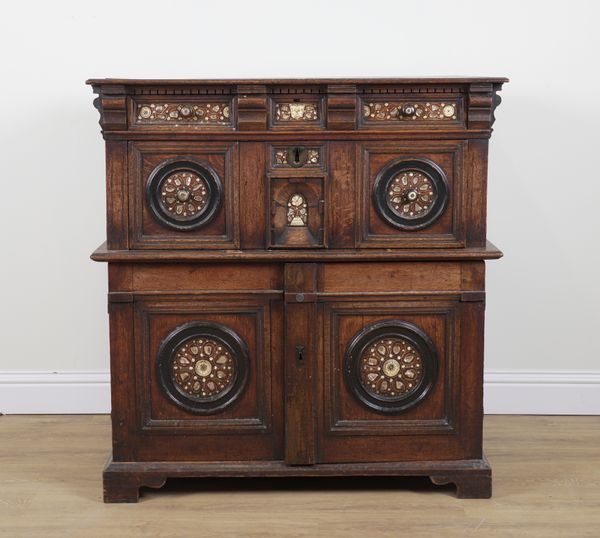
<point x="284" y="81"/>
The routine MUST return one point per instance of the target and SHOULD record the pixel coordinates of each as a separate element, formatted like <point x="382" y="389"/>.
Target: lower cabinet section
<point x="301" y="369"/>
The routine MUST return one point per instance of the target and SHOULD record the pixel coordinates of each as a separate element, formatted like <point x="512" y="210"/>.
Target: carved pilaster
<point x="341" y="106"/>
<point x="481" y="104"/>
<point x="112" y="105"/>
<point x="252" y="107"/>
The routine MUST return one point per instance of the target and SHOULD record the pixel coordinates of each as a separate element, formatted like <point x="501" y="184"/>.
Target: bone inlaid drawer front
<point x="296" y="278"/>
<point x="298" y="156"/>
<point x="297" y="113"/>
<point x="409" y="112"/>
<point x="181" y="114"/>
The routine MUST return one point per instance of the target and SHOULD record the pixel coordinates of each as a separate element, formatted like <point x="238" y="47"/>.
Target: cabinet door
<point x="183" y="195"/>
<point x="208" y="371"/>
<point x="400" y="373"/>
<point x="198" y="376"/>
<point x="411" y="195"/>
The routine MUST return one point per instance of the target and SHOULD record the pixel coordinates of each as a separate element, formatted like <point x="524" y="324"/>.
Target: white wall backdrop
<point x="542" y="349"/>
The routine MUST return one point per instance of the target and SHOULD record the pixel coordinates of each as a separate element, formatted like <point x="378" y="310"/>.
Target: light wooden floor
<point x="546" y="484"/>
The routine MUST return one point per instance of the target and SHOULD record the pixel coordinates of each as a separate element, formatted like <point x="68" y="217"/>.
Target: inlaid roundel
<point x="390" y="366"/>
<point x="184" y="194"/>
<point x="410" y="194"/>
<point x="203" y="367"/>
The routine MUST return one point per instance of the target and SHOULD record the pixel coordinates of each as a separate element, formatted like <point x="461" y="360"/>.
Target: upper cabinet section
<point x="213" y="106"/>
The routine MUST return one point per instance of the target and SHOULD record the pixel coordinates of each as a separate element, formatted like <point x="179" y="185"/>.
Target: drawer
<point x="298" y="155"/>
<point x="411" y="195"/>
<point x="183" y="195"/>
<point x="181" y="113"/>
<point x="393" y="112"/>
<point x="297" y="176"/>
<point x="292" y="112"/>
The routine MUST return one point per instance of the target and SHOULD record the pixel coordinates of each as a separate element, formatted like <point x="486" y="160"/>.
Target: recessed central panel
<point x="297" y="212"/>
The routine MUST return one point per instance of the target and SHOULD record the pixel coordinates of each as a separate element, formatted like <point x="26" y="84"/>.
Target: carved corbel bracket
<point x="112" y="105"/>
<point x="252" y="107"/>
<point x="341" y="106"/>
<point x="482" y="102"/>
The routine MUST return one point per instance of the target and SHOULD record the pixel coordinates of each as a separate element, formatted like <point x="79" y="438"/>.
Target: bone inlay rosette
<point x="411" y="194"/>
<point x="296" y="111"/>
<point x="297" y="214"/>
<point x="390" y="367"/>
<point x="201" y="113"/>
<point x="387" y="111"/>
<point x="203" y="367"/>
<point x="183" y="194"/>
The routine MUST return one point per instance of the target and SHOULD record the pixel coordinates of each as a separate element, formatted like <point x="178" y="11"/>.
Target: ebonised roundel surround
<point x="184" y="193"/>
<point x="390" y="366"/>
<point x="410" y="194"/>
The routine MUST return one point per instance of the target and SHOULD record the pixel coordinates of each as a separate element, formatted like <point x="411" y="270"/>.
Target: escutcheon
<point x="184" y="193"/>
<point x="390" y="366"/>
<point x="410" y="194"/>
<point x="203" y="367"/>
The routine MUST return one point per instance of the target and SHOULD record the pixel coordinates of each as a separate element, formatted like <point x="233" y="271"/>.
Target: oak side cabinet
<point x="296" y="278"/>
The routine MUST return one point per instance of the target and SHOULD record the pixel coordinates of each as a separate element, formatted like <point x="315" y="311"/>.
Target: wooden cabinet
<point x="296" y="278"/>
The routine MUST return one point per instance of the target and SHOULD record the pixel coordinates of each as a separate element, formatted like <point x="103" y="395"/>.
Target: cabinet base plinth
<point x="122" y="480"/>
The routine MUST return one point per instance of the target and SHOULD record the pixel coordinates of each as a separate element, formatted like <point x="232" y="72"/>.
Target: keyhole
<point x="300" y="353"/>
<point x="296" y="156"/>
